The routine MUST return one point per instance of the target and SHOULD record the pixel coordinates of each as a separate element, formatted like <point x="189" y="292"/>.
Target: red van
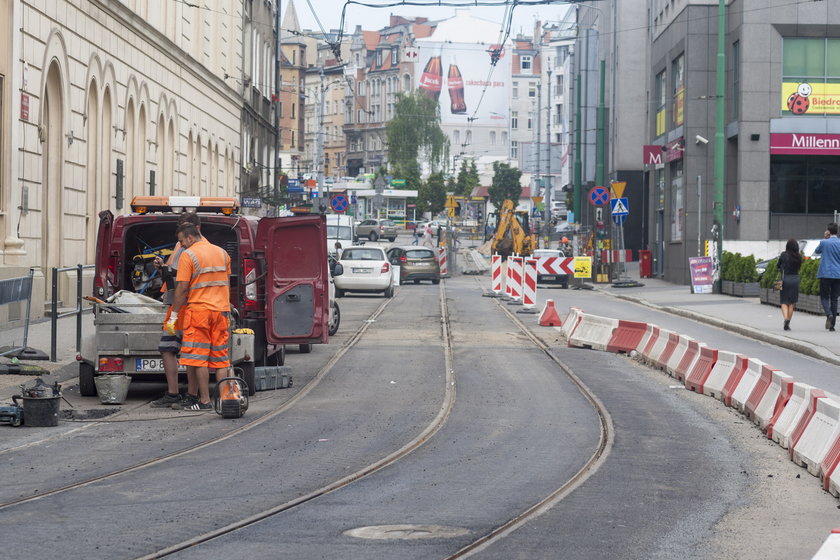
<point x="279" y="284"/>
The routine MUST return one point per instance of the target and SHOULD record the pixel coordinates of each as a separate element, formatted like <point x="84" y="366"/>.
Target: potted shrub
<point x="727" y="272"/>
<point x="747" y="281"/>
<point x="766" y="292"/>
<point x="809" y="288"/>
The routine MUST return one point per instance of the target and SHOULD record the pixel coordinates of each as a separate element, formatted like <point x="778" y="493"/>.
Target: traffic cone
<point x="549" y="316"/>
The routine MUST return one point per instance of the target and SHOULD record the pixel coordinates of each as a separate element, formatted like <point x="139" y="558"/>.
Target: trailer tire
<point x="87" y="387"/>
<point x="305" y="348"/>
<point x="249" y="376"/>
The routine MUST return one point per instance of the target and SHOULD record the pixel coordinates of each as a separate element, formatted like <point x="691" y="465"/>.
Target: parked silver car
<point x="375" y="229"/>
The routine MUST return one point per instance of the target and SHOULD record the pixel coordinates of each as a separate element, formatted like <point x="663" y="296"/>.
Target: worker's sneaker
<point x="200" y="406"/>
<point x="185" y="402"/>
<point x="166" y="401"/>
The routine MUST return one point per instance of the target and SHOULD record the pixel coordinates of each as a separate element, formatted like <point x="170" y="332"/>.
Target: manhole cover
<point x="406" y="532"/>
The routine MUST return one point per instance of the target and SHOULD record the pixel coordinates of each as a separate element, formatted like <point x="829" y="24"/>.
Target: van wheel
<point x="335" y="319"/>
<point x="247" y="370"/>
<point x="392" y="239"/>
<point x="436" y="281"/>
<point x="305" y="348"/>
<point x="373" y="236"/>
<point x="86" y="385"/>
<point x="389" y="291"/>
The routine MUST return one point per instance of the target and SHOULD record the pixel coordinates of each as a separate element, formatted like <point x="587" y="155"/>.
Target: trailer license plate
<point x="153" y="365"/>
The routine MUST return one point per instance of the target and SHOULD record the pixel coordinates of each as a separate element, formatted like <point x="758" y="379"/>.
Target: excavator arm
<point x="510" y="237"/>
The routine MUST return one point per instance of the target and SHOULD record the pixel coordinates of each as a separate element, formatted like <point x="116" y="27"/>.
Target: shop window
<point x="804" y="185"/>
<point x="677" y="201"/>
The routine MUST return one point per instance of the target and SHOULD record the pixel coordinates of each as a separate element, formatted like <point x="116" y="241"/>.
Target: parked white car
<point x="365" y="269"/>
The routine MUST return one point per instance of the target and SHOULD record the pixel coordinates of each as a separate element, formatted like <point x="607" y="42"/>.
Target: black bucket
<point x="40" y="412"/>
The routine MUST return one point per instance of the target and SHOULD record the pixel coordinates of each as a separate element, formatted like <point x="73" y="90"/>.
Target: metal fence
<point x="55" y="315"/>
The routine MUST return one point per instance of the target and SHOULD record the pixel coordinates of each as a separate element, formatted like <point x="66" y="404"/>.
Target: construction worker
<point x="202" y="308"/>
<point x="170" y="343"/>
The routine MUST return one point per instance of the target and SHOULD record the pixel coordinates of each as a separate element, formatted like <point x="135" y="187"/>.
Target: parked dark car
<point x="416" y="264"/>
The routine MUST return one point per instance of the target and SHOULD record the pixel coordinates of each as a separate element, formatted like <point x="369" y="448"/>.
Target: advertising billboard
<point x="458" y="76"/>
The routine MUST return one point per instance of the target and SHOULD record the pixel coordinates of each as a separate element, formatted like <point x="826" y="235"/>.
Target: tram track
<point x="158" y="460"/>
<point x="484" y="541"/>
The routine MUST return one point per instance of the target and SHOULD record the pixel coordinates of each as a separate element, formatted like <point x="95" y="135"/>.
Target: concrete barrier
<point x="830" y="549"/>
<point x="737" y="394"/>
<point x="818" y="437"/>
<point x="781" y="430"/>
<point x="692" y="354"/>
<point x="699" y="373"/>
<point x="763" y="409"/>
<point x="728" y="368"/>
<point x="627" y="336"/>
<point x="593" y="331"/>
<point x="663" y="348"/>
<point x="570" y="322"/>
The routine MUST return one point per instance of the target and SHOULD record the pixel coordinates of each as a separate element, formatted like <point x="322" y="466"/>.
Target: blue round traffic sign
<point x="339" y="203"/>
<point x="599" y="196"/>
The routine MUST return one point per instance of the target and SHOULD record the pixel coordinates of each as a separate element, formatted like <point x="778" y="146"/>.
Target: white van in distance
<point x="339" y="230"/>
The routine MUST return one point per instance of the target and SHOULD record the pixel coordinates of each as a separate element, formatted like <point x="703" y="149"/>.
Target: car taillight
<point x="110" y="364"/>
<point x="403" y="259"/>
<point x="385" y="268"/>
<point x="250" y="268"/>
<point x="381" y="228"/>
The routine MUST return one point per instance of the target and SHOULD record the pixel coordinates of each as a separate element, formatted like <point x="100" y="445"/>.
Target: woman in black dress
<point x="789" y="262"/>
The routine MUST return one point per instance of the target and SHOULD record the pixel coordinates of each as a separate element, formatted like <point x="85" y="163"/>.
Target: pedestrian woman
<point x="789" y="262"/>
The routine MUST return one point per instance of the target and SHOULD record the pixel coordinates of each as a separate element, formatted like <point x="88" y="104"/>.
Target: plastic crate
<point x="269" y="378"/>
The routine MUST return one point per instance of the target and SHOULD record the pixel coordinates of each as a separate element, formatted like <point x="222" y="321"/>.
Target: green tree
<point x="431" y="196"/>
<point x="467" y="178"/>
<point x="412" y="133"/>
<point x="505" y="184"/>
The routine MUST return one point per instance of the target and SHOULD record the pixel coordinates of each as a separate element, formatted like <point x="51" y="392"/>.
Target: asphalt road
<point x="683" y="477"/>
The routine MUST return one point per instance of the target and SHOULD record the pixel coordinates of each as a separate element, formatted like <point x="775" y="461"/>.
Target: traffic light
<point x="479" y="212"/>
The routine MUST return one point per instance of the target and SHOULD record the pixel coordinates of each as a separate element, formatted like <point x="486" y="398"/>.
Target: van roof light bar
<point x="177" y="204"/>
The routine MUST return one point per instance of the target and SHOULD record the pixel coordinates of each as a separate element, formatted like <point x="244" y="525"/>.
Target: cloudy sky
<point x="329" y="14"/>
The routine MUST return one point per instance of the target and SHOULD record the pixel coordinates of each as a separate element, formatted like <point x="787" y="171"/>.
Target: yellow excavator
<point x="512" y="234"/>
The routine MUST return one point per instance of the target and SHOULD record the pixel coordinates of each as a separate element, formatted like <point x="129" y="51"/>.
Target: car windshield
<point x="387" y="223"/>
<point x="341" y="232"/>
<point x="419" y="254"/>
<point x="362" y="255"/>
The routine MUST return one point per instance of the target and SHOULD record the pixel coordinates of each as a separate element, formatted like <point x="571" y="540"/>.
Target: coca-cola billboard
<point x="458" y="77"/>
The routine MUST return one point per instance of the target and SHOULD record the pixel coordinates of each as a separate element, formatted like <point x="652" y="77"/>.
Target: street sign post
<point x="339" y="203"/>
<point x="598" y="196"/>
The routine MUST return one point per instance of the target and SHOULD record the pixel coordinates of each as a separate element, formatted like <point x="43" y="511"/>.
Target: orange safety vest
<point x="207" y="269"/>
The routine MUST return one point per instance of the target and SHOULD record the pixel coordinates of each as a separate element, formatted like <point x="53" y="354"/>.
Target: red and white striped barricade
<point x="741" y="392"/>
<point x="571" y="321"/>
<point x="815" y="396"/>
<point x="678" y="354"/>
<point x="793" y="412"/>
<point x="829" y="464"/>
<point x="529" y="286"/>
<point x="516" y="280"/>
<point x="556" y="266"/>
<point x="593" y="331"/>
<point x="659" y="345"/>
<point x="830" y="549"/>
<point x="692" y="354"/>
<point x="627" y="336"/>
<point x="761" y="404"/>
<point x="729" y="366"/>
<point x="496" y="274"/>
<point x="647" y="343"/>
<point x="700" y="370"/>
<point x="774" y="401"/>
<point x="819" y="436"/>
<point x="661" y="361"/>
<point x="443" y="261"/>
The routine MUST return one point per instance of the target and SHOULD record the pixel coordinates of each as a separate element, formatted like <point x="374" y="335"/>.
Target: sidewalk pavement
<point x="750" y="318"/>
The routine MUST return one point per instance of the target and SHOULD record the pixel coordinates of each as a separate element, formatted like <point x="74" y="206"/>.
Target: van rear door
<point x="294" y="255"/>
<point x="105" y="278"/>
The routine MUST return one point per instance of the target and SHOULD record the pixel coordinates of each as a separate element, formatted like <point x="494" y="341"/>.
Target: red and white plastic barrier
<point x="769" y="395"/>
<point x="728" y="367"/>
<point x="790" y="417"/>
<point x="659" y="345"/>
<point x="818" y="437"/>
<point x="571" y="321"/>
<point x="627" y="336"/>
<point x="496" y="274"/>
<point x="679" y="355"/>
<point x="515" y="278"/>
<point x="741" y="392"/>
<point x="529" y="284"/>
<point x="443" y="261"/>
<point x="700" y="370"/>
<point x="830" y="549"/>
<point x="692" y="353"/>
<point x="593" y="331"/>
<point x="645" y="347"/>
<point x="814" y="397"/>
<point x="549" y="316"/>
<point x="661" y="361"/>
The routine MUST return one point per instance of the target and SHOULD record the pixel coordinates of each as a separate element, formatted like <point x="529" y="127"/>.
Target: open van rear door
<point x="105" y="278"/>
<point x="294" y="256"/>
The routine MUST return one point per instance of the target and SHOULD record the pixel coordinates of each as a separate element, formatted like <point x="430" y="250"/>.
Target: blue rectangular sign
<point x="619" y="206"/>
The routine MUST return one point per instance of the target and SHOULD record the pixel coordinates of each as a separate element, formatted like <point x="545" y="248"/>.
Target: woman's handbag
<point x="777" y="285"/>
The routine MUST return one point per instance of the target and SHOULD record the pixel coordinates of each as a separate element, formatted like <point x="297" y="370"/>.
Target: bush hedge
<point x="738" y="268"/>
<point x="808" y="282"/>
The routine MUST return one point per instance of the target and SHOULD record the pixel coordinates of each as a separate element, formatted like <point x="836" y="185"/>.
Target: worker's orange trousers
<point x="205" y="338"/>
